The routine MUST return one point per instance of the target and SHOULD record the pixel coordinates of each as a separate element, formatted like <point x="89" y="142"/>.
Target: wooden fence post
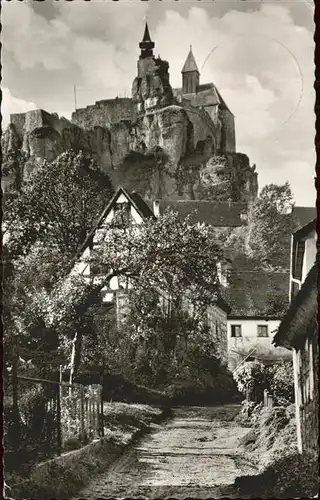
<point x="59" y="423"/>
<point x="265" y="398"/>
<point x="82" y="412"/>
<point x="90" y="413"/>
<point x="87" y="414"/>
<point x="15" y="390"/>
<point x="101" y="411"/>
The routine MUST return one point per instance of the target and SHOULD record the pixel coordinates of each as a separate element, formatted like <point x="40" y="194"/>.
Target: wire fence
<point x="43" y="418"/>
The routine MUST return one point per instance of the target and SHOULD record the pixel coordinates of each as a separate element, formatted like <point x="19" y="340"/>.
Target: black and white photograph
<point x="159" y="249"/>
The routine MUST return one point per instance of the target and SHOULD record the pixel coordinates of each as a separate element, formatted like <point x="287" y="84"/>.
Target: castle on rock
<point x="163" y="142"/>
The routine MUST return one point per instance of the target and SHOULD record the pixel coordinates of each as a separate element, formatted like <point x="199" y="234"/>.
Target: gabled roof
<point x="214" y="213"/>
<point x="222" y="101"/>
<point x="305" y="230"/>
<point x="304" y="215"/>
<point x="207" y="95"/>
<point x="134" y="198"/>
<point x="300" y="319"/>
<point x="257" y="294"/>
<point x="190" y="64"/>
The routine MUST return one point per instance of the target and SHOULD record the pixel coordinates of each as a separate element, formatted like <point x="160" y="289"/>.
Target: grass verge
<point x="64" y="476"/>
<point x="272" y="446"/>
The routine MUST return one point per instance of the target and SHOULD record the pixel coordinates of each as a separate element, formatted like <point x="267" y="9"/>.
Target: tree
<point x="282" y="384"/>
<point x="167" y="255"/>
<point x="57" y="205"/>
<point x="270" y="227"/>
<point x="44" y="226"/>
<point x="252" y="377"/>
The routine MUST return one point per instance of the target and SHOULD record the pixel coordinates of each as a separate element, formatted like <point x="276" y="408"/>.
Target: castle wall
<point x="203" y="126"/>
<point x="228" y="135"/>
<point x="31" y="120"/>
<point x="104" y="113"/>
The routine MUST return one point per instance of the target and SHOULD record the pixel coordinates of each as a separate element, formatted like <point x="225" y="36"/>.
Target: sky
<point x="259" y="54"/>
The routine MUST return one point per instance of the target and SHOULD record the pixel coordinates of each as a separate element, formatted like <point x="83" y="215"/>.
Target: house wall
<point x="309" y="258"/>
<point x="217" y="321"/>
<point x="240" y="347"/>
<point x="83" y="267"/>
<point x="309" y="254"/>
<point x="307" y="397"/>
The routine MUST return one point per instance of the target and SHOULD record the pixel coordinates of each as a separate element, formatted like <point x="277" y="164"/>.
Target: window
<point x="298" y="263"/>
<point x="262" y="330"/>
<point x="121" y="216"/>
<point x="236" y="331"/>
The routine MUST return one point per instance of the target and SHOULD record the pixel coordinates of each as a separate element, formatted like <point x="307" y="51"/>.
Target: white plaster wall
<point x="309" y="254"/>
<point x="238" y="347"/>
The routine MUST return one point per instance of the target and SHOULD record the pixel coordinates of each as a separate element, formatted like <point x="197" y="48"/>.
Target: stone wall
<point x="228" y="136"/>
<point x="203" y="127"/>
<point x="104" y="113"/>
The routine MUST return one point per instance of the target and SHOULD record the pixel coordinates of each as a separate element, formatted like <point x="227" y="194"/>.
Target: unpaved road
<point x="196" y="454"/>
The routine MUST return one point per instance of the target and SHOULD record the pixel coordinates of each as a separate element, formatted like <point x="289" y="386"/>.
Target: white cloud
<point x="11" y="104"/>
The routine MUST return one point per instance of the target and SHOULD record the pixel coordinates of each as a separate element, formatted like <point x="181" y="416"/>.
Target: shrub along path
<point x="196" y="454"/>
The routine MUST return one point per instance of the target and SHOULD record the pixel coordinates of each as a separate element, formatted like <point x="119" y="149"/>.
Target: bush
<point x="282" y="384"/>
<point x="253" y="377"/>
<point x="292" y="476"/>
<point x="250" y="413"/>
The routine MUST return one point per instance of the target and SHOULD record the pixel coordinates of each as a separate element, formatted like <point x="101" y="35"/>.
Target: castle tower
<point x="151" y="88"/>
<point x="146" y="45"/>
<point x="190" y="75"/>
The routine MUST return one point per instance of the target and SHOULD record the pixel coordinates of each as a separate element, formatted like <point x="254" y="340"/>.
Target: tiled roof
<point x="140" y="204"/>
<point x="304" y="215"/>
<point x="214" y="213"/>
<point x="205" y="86"/>
<point x="300" y="319"/>
<point x="306" y="229"/>
<point x="207" y="95"/>
<point x="257" y="294"/>
<point x="190" y="64"/>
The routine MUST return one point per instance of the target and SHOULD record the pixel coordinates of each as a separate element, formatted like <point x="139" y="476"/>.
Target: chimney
<point x="156" y="208"/>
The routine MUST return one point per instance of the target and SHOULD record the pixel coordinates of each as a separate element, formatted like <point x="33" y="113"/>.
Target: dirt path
<point x="195" y="454"/>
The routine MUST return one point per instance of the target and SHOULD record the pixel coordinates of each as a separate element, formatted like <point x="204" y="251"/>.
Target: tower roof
<point x="190" y="64"/>
<point x="146" y="45"/>
<point x="146" y="36"/>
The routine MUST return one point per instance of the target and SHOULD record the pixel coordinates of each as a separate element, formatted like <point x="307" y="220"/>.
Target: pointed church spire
<point x="190" y="75"/>
<point x="190" y="64"/>
<point x="146" y="36"/>
<point x="146" y="45"/>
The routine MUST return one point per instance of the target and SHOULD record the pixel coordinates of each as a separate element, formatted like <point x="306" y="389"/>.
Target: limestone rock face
<point x="168" y="153"/>
<point x="12" y="160"/>
<point x="228" y="176"/>
<point x="151" y="88"/>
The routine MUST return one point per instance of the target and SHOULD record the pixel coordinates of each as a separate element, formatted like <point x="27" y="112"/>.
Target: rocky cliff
<point x="167" y="152"/>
